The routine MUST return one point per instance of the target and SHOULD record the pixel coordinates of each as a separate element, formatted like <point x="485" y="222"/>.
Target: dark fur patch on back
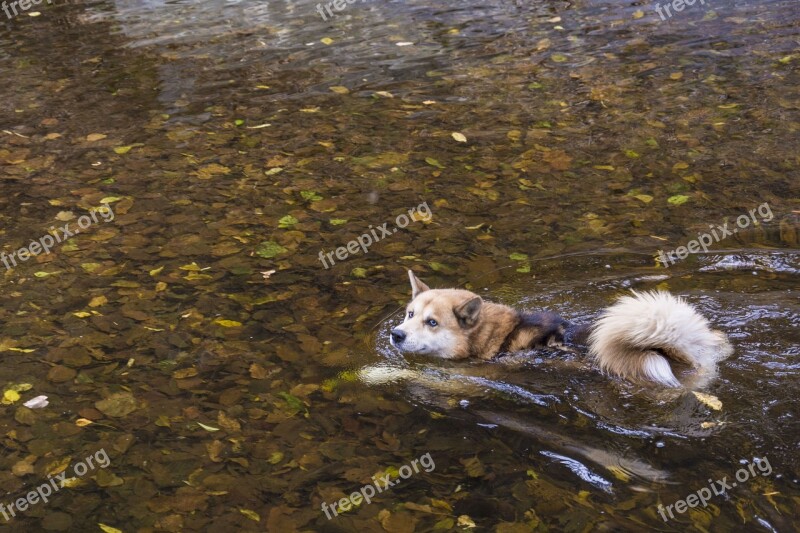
<point x="541" y="329"/>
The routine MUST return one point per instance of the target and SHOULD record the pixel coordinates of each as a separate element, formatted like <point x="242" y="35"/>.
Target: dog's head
<point x="437" y="321"/>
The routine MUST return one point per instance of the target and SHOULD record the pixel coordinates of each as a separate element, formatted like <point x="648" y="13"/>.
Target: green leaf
<point x="269" y="249"/>
<point x="433" y="162"/>
<point x="310" y="195"/>
<point x="518" y="257"/>
<point x="359" y="272"/>
<point x="337" y="221"/>
<point x="287" y="222"/>
<point x="678" y="199"/>
<point x="293" y="401"/>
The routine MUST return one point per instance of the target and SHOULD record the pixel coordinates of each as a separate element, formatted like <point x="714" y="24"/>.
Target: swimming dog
<point x="645" y="337"/>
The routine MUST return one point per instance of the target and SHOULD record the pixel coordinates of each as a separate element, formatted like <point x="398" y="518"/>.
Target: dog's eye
<point x="432" y="323"/>
<point x="411" y="314"/>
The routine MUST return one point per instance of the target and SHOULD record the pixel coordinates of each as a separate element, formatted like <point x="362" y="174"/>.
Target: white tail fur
<point x="639" y="336"/>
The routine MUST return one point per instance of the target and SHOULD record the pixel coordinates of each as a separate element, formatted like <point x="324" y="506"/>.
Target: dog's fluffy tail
<point x="641" y="335"/>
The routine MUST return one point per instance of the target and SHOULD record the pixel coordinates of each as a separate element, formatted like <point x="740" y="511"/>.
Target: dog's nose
<point x="398" y="335"/>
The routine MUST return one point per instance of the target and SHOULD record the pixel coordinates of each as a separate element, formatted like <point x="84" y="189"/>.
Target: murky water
<point x="197" y="331"/>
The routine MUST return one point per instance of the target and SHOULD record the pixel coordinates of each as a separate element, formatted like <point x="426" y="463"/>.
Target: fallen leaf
<point x="227" y="323"/>
<point x="460" y="137"/>
<point x="117" y="405"/>
<point x="98" y="301"/>
<point x="433" y="162"/>
<point x="10" y="396"/>
<point x="708" y="399"/>
<point x="252" y="515"/>
<point x="678" y="199"/>
<point x="95" y="137"/>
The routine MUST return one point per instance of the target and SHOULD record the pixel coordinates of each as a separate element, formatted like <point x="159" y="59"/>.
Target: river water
<point x="202" y="332"/>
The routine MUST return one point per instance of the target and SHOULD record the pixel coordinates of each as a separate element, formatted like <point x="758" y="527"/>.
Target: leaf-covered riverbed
<point x="206" y="327"/>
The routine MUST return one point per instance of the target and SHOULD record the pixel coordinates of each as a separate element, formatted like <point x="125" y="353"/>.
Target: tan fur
<point x="458" y="334"/>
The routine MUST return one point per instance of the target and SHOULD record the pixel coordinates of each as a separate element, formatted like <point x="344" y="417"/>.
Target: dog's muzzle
<point x="397" y="336"/>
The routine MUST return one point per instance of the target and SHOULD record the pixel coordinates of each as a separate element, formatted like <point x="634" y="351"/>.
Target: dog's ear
<point x="467" y="312"/>
<point x="416" y="285"/>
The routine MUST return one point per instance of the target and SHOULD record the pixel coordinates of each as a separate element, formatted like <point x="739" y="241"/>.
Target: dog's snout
<point x="398" y="335"/>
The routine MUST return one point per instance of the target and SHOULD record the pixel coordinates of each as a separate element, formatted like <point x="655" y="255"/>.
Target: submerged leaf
<point x="270" y="249"/>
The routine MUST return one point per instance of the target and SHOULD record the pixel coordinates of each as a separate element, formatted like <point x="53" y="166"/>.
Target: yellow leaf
<point x="638" y="14"/>
<point x="709" y="400"/>
<point x="676" y="76"/>
<point x="97" y="301"/>
<point x="466" y="522"/>
<point x="227" y="323"/>
<point x="108" y="529"/>
<point x="185" y="373"/>
<point x="207" y="428"/>
<point x="83" y="422"/>
<point x="326" y="40"/>
<point x="192" y="267"/>
<point x="156" y="271"/>
<point x="82" y="314"/>
<point x="10" y="396"/>
<point x="56" y="467"/>
<point x="125" y="149"/>
<point x="111" y="199"/>
<point x="338" y="89"/>
<point x="646" y="198"/>
<point x="252" y="515"/>
<point x="460" y="137"/>
<point x="95" y="137"/>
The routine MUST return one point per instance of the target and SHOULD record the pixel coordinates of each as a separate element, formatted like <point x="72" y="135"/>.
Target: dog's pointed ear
<point x="467" y="312"/>
<point x="416" y="285"/>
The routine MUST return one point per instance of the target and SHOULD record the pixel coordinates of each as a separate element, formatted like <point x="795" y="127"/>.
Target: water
<point x="200" y="341"/>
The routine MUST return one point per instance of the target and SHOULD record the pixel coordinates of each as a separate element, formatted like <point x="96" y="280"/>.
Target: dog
<point x="645" y="338"/>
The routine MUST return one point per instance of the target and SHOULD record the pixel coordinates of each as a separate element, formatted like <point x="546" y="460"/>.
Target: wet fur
<point x="640" y="338"/>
